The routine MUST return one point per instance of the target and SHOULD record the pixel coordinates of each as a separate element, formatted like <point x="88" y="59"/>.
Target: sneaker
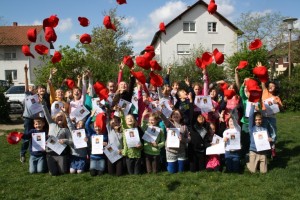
<point x="273" y="152"/>
<point x="22" y="159"/>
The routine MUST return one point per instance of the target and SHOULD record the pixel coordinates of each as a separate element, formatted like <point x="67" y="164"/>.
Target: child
<point x="115" y="136"/>
<point x="133" y="154"/>
<point x="37" y="160"/>
<point x="57" y="164"/>
<point x="270" y="90"/>
<point x="183" y="104"/>
<point x="78" y="156"/>
<point x="232" y="145"/>
<point x="97" y="161"/>
<point x="176" y="157"/>
<point x="78" y="95"/>
<point x="152" y="149"/>
<point x="198" y="142"/>
<point x="213" y="161"/>
<point x="256" y="157"/>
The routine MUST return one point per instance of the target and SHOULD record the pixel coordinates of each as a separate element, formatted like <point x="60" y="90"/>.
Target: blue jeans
<point x="270" y="124"/>
<point x="97" y="164"/>
<point x="177" y="166"/>
<point x="232" y="161"/>
<point x="37" y="164"/>
<point x="28" y="125"/>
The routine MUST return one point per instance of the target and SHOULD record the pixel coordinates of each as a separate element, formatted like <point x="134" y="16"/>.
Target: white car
<point x="16" y="96"/>
<point x="16" y="93"/>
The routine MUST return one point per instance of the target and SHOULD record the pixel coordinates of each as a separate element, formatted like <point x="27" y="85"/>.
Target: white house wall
<point x="166" y="46"/>
<point x="20" y="61"/>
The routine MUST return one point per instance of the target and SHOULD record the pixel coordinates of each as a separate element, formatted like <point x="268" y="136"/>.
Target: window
<point x="212" y="27"/>
<point x="285" y="59"/>
<point x="189" y="27"/>
<point x="183" y="49"/>
<point x="16" y="90"/>
<point x="11" y="75"/>
<point x="10" y="56"/>
<point x="220" y="47"/>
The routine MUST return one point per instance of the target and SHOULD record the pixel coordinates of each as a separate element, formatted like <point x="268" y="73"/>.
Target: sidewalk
<point x="17" y="123"/>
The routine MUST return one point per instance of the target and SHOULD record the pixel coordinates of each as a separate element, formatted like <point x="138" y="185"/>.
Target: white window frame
<point x="210" y="27"/>
<point x="14" y="74"/>
<point x="189" y="25"/>
<point x="184" y="47"/>
<point x="10" y="56"/>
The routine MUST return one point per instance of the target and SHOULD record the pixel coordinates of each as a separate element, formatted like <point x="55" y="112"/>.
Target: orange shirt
<point x="266" y="94"/>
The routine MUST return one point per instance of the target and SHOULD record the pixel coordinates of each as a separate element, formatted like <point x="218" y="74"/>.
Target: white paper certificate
<point x="132" y="137"/>
<point x="134" y="99"/>
<point x="165" y="108"/>
<point x="112" y="153"/>
<point x="261" y="140"/>
<point x="173" y="137"/>
<point x="55" y="107"/>
<point x="32" y="102"/>
<point x="204" y="103"/>
<point x="151" y="134"/>
<point x="248" y="107"/>
<point x="97" y="144"/>
<point x="271" y="107"/>
<point x="216" y="139"/>
<point x="97" y="104"/>
<point x="53" y="144"/>
<point x="218" y="148"/>
<point x="234" y="140"/>
<point x="38" y="141"/>
<point x="78" y="137"/>
<point x="79" y="113"/>
<point x="125" y="105"/>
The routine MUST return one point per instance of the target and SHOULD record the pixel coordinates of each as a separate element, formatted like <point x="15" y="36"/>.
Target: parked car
<point x="16" y="96"/>
<point x="16" y="93"/>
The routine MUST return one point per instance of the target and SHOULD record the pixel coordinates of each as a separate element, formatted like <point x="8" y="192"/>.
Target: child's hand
<point x="86" y="139"/>
<point x="139" y="145"/>
<point x="225" y="139"/>
<point x="61" y="141"/>
<point x="104" y="144"/>
<point x="270" y="139"/>
<point x="154" y="144"/>
<point x="120" y="151"/>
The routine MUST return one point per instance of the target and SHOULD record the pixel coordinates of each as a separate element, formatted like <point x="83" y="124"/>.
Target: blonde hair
<point x="64" y="124"/>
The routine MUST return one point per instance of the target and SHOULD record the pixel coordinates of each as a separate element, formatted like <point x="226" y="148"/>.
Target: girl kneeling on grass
<point x="97" y="161"/>
<point x="57" y="164"/>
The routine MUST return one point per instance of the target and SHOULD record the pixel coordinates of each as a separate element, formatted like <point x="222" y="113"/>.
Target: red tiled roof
<point x="16" y="35"/>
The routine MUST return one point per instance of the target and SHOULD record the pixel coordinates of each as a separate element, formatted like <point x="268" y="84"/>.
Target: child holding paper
<point x="37" y="160"/>
<point x="256" y="157"/>
<point x="57" y="163"/>
<point x="176" y="157"/>
<point x="231" y="137"/>
<point x="133" y="154"/>
<point x="97" y="161"/>
<point x="152" y="149"/>
<point x="270" y="91"/>
<point x="78" y="156"/>
<point x="199" y="141"/>
<point x="115" y="136"/>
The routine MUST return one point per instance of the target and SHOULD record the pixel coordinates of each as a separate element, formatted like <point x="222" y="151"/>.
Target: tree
<point x="189" y="69"/>
<point x="107" y="49"/>
<point x="259" y="55"/>
<point x="72" y="64"/>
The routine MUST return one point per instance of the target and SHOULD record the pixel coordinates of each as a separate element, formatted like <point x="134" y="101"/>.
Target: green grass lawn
<point x="281" y="182"/>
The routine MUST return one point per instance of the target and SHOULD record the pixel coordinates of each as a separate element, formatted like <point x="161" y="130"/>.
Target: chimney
<point x="15" y="23"/>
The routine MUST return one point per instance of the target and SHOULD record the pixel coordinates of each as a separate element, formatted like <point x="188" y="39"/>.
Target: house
<point x="279" y="59"/>
<point x="194" y="28"/>
<point x="12" y="59"/>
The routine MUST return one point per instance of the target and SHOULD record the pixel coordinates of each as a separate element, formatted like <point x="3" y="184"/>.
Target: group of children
<point x="233" y="120"/>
